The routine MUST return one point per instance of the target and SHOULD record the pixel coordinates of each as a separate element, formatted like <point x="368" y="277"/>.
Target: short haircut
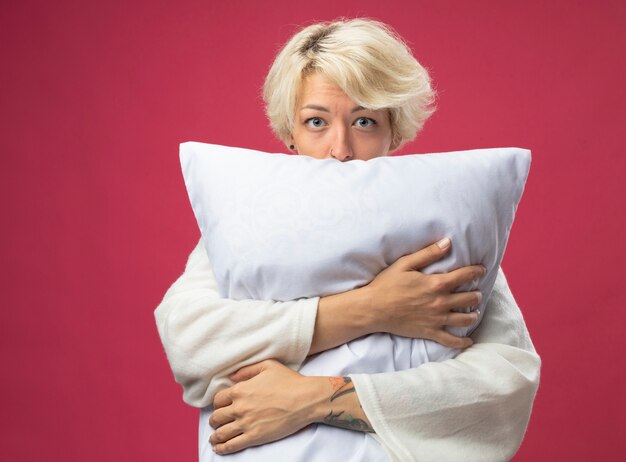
<point x="366" y="59"/>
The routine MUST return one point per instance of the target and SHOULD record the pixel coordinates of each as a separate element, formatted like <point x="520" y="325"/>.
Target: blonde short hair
<point x="366" y="59"/>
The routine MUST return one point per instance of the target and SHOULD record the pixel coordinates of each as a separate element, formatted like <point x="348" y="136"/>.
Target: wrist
<point x="319" y="392"/>
<point x="336" y="403"/>
<point x="341" y="318"/>
<point x="367" y="317"/>
<point x="357" y="303"/>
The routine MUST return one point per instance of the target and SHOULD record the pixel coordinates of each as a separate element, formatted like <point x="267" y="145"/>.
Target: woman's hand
<point x="269" y="401"/>
<point x="410" y="303"/>
<point x="402" y="300"/>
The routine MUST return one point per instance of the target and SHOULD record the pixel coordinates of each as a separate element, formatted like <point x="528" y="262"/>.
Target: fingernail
<point x="480" y="296"/>
<point x="445" y="242"/>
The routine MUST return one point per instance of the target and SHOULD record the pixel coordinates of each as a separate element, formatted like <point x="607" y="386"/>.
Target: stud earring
<point x="291" y="146"/>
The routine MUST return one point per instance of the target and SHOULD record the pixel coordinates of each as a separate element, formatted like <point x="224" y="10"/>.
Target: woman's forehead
<point x="318" y="92"/>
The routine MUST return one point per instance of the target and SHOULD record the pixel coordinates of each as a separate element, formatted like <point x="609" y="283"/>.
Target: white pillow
<point x="283" y="227"/>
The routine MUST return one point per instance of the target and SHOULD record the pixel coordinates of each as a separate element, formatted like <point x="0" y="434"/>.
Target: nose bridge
<point x="341" y="149"/>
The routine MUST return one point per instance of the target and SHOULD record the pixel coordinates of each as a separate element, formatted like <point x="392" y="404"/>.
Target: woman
<point x="352" y="90"/>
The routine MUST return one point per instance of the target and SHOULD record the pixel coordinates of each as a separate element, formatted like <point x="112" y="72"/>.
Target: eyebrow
<point x="324" y="109"/>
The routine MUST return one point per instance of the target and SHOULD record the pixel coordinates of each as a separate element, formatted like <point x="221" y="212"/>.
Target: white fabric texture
<point x="282" y="227"/>
<point x="474" y="407"/>
<point x="206" y="337"/>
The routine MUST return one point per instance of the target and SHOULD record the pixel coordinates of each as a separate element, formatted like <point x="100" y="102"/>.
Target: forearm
<point x="340" y="319"/>
<point x="338" y="404"/>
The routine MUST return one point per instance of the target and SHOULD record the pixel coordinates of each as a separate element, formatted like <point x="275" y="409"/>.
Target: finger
<point x="452" y="341"/>
<point x="458" y="277"/>
<point x="461" y="319"/>
<point x="225" y="433"/>
<point x="222" y="398"/>
<point x="461" y="300"/>
<point x="220" y="417"/>
<point x="427" y="255"/>
<point x="236" y="444"/>
<point x="247" y="372"/>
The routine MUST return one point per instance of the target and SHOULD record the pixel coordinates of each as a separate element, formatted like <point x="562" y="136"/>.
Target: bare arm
<point x="206" y="337"/>
<point x="269" y="402"/>
<point x="473" y="407"/>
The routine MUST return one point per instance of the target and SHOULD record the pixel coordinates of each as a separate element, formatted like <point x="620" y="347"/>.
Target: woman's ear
<point x="395" y="144"/>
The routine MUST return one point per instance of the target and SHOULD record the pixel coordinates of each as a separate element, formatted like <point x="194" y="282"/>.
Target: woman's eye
<point x="315" y="122"/>
<point x="364" y="122"/>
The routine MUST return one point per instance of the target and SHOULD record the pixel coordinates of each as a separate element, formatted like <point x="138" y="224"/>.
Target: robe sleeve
<point x="207" y="337"/>
<point x="474" y="407"/>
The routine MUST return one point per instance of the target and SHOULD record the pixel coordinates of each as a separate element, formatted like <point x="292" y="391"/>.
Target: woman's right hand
<point x="407" y="302"/>
<point x="403" y="301"/>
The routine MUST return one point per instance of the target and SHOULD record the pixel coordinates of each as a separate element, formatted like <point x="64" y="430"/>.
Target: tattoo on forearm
<point x="342" y="386"/>
<point x="348" y="421"/>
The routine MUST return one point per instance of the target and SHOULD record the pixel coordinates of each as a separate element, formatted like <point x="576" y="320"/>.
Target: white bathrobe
<point x="474" y="407"/>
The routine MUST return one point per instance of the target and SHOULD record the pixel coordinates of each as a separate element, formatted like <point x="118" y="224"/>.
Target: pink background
<point x="96" y="96"/>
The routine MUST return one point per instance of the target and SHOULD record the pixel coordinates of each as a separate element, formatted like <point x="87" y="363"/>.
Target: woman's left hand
<point x="268" y="402"/>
